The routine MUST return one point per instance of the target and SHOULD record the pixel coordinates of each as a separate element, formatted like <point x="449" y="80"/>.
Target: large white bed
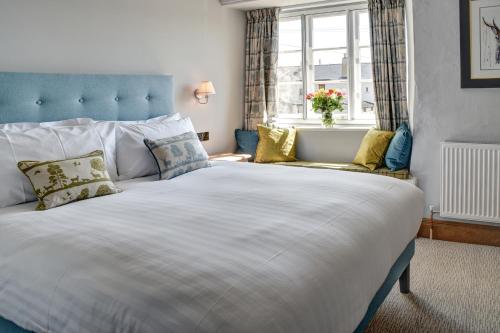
<point x="237" y="247"/>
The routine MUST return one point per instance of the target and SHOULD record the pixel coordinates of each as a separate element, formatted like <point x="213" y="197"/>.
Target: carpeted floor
<point x="455" y="288"/>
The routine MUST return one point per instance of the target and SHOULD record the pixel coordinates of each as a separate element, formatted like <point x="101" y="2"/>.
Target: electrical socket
<point x="203" y="136"/>
<point x="434" y="208"/>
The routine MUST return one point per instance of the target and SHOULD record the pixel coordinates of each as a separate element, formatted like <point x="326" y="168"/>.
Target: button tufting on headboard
<point x="65" y="96"/>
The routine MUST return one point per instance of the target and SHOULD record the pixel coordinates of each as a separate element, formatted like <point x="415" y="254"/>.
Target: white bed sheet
<point x="238" y="247"/>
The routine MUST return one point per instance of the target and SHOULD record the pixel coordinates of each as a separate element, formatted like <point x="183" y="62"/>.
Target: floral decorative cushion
<point x="60" y="182"/>
<point x="178" y="155"/>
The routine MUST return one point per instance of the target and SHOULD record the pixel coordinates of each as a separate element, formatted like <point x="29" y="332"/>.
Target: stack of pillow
<point x="78" y="159"/>
<point x="268" y="144"/>
<point x="378" y="148"/>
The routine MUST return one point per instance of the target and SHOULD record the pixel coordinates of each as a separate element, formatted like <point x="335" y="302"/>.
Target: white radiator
<point x="470" y="181"/>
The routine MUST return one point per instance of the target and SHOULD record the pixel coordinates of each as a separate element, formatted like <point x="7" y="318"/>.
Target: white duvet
<point x="238" y="247"/>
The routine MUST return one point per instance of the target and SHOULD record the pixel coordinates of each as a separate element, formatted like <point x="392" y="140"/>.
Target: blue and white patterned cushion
<point x="178" y="155"/>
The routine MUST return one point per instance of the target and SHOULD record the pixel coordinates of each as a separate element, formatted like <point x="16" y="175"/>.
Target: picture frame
<point x="480" y="43"/>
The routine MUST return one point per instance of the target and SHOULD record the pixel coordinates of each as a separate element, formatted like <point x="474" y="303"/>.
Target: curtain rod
<point x="321" y="4"/>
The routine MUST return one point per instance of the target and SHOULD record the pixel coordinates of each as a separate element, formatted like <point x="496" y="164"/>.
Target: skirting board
<point x="461" y="232"/>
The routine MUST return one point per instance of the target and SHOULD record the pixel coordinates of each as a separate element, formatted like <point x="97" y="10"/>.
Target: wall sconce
<point x="205" y="89"/>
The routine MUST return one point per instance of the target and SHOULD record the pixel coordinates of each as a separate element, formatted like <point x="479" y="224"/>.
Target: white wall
<point x="193" y="40"/>
<point x="199" y="39"/>
<point x="444" y="111"/>
<point x="328" y="145"/>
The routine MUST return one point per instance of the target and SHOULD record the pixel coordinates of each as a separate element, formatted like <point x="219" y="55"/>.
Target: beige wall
<point x="193" y="40"/>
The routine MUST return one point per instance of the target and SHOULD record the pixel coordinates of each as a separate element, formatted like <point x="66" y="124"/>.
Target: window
<point x="325" y="49"/>
<point x="290" y="69"/>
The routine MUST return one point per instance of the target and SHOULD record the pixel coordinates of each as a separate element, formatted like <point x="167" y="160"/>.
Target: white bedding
<point x="238" y="247"/>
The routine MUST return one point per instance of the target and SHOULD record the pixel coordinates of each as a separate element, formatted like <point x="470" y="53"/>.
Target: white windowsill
<point x="317" y="126"/>
<point x="334" y="128"/>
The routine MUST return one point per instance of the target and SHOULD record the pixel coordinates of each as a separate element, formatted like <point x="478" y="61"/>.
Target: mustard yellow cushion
<point x="276" y="145"/>
<point x="371" y="153"/>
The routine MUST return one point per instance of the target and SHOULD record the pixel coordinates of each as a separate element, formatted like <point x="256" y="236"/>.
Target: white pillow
<point x="79" y="121"/>
<point x="132" y="156"/>
<point x="175" y="116"/>
<point x="81" y="140"/>
<point x="26" y="126"/>
<point x="40" y="144"/>
<point x="24" y="145"/>
<point x="54" y="141"/>
<point x="107" y="133"/>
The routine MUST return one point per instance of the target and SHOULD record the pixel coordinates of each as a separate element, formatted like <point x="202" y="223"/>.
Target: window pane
<point x="367" y="98"/>
<point x="366" y="103"/>
<point x="365" y="58"/>
<point x="331" y="71"/>
<point x="366" y="86"/>
<point x="329" y="57"/>
<point x="288" y="74"/>
<point x="290" y="32"/>
<point x="329" y="32"/>
<point x="365" y="55"/>
<point x="290" y="59"/>
<point x="364" y="29"/>
<point x="291" y="98"/>
<point x="290" y="80"/>
<point x="330" y="65"/>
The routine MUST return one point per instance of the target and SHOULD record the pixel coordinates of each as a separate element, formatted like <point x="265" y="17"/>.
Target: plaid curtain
<point x="261" y="66"/>
<point x="387" y="25"/>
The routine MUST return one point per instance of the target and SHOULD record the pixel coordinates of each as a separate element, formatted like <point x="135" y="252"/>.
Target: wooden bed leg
<point x="404" y="281"/>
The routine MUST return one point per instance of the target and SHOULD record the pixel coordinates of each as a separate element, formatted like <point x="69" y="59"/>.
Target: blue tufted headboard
<point x="28" y="97"/>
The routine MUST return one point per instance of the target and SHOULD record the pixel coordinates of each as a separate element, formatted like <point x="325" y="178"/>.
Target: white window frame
<point x="306" y="16"/>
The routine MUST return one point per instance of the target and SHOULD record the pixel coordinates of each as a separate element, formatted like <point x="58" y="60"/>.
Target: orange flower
<point x="339" y="94"/>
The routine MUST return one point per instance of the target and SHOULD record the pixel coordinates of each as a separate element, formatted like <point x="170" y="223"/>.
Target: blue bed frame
<point x="29" y="97"/>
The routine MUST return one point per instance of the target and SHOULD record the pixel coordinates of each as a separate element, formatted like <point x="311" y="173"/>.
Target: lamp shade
<point x="206" y="88"/>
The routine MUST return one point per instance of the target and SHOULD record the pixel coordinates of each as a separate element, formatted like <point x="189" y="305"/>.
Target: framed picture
<point x="480" y="43"/>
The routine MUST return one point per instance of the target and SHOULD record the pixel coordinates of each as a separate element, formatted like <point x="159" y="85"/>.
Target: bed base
<point x="404" y="281"/>
<point x="399" y="271"/>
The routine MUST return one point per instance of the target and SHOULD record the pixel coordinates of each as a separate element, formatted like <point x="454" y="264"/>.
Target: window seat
<point x="400" y="174"/>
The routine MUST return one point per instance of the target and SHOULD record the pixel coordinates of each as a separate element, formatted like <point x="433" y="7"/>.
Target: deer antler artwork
<point x="496" y="30"/>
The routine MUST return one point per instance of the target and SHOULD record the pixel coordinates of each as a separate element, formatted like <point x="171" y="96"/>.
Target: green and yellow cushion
<point x="372" y="150"/>
<point x="400" y="174"/>
<point x="60" y="182"/>
<point x="276" y="145"/>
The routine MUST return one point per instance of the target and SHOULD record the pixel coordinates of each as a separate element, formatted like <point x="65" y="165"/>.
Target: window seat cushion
<point x="400" y="174"/>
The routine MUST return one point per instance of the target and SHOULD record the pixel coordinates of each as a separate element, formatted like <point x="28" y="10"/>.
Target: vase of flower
<point x="326" y="102"/>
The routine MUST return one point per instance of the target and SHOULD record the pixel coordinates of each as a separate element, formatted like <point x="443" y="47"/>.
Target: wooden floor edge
<point x="460" y="232"/>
